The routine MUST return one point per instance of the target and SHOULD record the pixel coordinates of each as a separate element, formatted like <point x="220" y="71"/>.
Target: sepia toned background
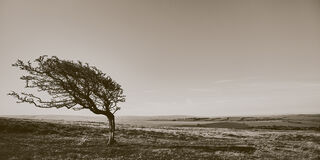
<point x="186" y="57"/>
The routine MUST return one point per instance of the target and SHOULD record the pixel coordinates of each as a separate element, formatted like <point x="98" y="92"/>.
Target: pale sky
<point x="177" y="57"/>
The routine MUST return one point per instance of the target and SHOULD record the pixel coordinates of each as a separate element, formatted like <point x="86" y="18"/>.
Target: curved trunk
<point x="112" y="128"/>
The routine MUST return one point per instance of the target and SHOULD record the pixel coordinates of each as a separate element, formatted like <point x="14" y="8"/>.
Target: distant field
<point x="86" y="138"/>
<point x="272" y="122"/>
<point x="302" y="121"/>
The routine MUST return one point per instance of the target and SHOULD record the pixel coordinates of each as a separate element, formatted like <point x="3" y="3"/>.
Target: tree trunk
<point x="112" y="128"/>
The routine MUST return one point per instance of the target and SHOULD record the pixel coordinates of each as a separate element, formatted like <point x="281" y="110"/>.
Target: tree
<point x="72" y="85"/>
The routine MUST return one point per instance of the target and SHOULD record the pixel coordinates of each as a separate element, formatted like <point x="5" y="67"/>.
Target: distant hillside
<point x="97" y="118"/>
<point x="298" y="120"/>
<point x="59" y="117"/>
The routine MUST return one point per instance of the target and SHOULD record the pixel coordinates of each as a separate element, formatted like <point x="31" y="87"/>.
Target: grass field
<point x="48" y="139"/>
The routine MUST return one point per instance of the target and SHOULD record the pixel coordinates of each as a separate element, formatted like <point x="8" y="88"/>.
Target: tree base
<point x="111" y="142"/>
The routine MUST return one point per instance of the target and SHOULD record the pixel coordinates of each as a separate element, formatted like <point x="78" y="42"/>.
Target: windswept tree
<point x="72" y="85"/>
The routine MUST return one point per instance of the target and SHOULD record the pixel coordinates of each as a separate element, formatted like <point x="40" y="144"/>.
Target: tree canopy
<point x="70" y="84"/>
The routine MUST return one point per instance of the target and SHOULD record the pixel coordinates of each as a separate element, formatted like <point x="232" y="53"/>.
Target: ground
<point x="39" y="139"/>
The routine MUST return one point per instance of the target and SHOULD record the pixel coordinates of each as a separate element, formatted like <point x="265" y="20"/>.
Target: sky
<point x="174" y="57"/>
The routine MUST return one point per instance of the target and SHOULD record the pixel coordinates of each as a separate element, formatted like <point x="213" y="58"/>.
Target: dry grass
<point x="26" y="139"/>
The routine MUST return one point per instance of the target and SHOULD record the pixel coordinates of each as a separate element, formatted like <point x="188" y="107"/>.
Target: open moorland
<point x="163" y="137"/>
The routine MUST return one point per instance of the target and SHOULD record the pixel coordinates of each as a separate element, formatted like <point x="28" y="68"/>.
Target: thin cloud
<point x="223" y="81"/>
